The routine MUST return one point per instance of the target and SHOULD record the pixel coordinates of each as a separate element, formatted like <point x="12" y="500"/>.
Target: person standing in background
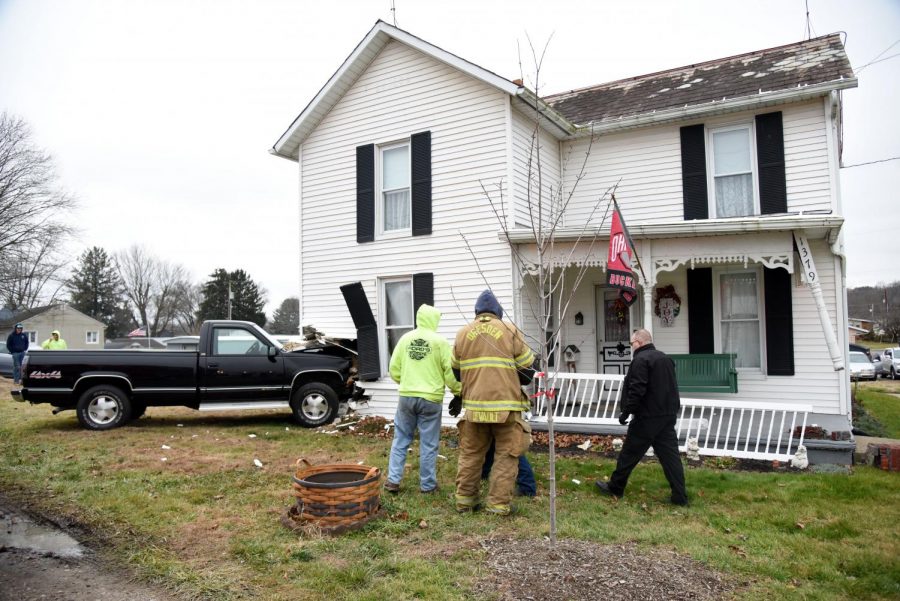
<point x="17" y="344"/>
<point x="54" y="343"/>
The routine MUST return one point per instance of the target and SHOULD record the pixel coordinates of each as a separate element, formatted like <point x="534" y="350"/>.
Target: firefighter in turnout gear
<point x="492" y="361"/>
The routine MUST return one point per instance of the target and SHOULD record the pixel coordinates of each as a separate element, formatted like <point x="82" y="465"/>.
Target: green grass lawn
<point x="881" y="400"/>
<point x="205" y="522"/>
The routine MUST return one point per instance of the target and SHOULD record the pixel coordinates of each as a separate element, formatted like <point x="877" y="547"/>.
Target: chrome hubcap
<point x="103" y="409"/>
<point x="314" y="406"/>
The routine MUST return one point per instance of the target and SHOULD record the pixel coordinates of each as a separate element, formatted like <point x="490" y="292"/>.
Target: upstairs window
<point x="732" y="172"/>
<point x="92" y="337"/>
<point x="393" y="189"/>
<point x="395" y="204"/>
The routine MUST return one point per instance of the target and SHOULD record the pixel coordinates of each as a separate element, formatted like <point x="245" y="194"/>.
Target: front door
<point x="614" y="322"/>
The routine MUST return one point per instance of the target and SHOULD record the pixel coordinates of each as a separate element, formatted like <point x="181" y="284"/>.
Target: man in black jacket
<point x="650" y="395"/>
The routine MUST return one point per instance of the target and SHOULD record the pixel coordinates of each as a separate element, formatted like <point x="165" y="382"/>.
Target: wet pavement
<point x="40" y="562"/>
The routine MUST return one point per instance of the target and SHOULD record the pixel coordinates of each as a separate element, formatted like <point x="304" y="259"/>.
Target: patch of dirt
<point x="528" y="569"/>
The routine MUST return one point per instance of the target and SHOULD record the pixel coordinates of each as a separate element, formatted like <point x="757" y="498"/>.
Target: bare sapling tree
<point x="541" y="264"/>
<point x="34" y="218"/>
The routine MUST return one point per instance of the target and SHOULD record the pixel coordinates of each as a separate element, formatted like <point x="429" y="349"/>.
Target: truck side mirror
<point x="272" y="352"/>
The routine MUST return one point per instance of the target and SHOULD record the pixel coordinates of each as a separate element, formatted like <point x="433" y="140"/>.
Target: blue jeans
<point x="525" y="482"/>
<point x="17" y="366"/>
<point x="416" y="413"/>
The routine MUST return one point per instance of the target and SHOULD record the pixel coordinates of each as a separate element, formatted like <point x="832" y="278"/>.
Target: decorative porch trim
<point x="771" y="261"/>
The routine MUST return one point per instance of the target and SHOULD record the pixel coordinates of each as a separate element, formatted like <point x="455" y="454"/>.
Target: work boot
<point x="604" y="488"/>
<point x="392" y="487"/>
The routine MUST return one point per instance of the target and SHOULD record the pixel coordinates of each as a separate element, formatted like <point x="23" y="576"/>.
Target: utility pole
<point x="230" y="297"/>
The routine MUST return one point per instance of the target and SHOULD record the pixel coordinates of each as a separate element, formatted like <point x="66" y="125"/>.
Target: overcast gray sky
<point x="160" y="113"/>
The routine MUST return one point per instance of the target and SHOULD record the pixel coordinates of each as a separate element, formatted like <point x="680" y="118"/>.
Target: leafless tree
<point x="547" y="203"/>
<point x="155" y="288"/>
<point x="34" y="218"/>
<point x="31" y="277"/>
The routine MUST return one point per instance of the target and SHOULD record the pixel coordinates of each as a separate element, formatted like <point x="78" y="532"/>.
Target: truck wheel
<point x="893" y="373"/>
<point x="103" y="407"/>
<point x="314" y="404"/>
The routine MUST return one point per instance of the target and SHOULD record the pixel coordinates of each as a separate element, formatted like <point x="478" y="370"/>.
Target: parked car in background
<point x="6" y="365"/>
<point x="860" y="367"/>
<point x="890" y="362"/>
<point x="879" y="368"/>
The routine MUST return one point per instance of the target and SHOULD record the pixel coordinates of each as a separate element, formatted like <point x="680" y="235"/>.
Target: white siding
<point x="536" y="171"/>
<point x="648" y="163"/>
<point x="401" y="93"/>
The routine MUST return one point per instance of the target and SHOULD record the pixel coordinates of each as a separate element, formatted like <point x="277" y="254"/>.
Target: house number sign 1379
<point x="806" y="259"/>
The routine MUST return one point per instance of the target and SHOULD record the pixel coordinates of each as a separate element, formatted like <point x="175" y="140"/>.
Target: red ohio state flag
<point x="618" y="263"/>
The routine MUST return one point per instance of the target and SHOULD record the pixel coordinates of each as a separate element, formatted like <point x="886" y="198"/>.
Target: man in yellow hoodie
<point x="54" y="343"/>
<point x="421" y="365"/>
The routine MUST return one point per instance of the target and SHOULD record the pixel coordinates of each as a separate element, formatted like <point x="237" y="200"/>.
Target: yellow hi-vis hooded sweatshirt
<point x="421" y="360"/>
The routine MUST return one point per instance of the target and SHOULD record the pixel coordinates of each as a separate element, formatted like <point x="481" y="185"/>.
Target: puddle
<point x="19" y="532"/>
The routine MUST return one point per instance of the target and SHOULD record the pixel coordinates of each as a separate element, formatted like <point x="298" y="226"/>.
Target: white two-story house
<point x="416" y="170"/>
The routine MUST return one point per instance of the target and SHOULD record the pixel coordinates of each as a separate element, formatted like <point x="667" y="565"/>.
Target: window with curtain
<point x="739" y="317"/>
<point x="398" y="312"/>
<point x="732" y="172"/>
<point x="395" y="206"/>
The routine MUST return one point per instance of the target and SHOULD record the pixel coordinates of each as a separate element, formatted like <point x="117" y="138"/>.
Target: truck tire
<point x="314" y="404"/>
<point x="103" y="407"/>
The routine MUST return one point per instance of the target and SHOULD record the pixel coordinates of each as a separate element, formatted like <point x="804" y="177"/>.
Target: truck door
<point x="239" y="366"/>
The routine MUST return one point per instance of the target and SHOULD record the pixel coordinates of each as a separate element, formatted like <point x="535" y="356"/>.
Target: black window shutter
<point x="368" y="362"/>
<point x="423" y="290"/>
<point x="779" y="323"/>
<point x="365" y="193"/>
<point x="701" y="335"/>
<point x="421" y="183"/>
<point x="770" y="161"/>
<point x="693" y="172"/>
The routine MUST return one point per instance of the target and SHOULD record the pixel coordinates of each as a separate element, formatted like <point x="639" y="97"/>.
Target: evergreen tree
<point x="247" y="302"/>
<point x="95" y="288"/>
<point x="286" y="318"/>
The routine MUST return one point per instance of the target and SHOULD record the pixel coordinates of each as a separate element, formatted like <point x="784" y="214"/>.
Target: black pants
<point x="644" y="432"/>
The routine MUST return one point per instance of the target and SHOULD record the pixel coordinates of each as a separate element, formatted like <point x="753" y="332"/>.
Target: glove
<point x="623" y="417"/>
<point x="455" y="406"/>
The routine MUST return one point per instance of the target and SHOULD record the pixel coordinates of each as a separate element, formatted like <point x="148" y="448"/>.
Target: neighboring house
<point x="721" y="166"/>
<point x="864" y="324"/>
<point x="855" y="333"/>
<point x="80" y="331"/>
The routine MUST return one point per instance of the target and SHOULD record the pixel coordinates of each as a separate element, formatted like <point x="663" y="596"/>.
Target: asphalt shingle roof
<point x="815" y="61"/>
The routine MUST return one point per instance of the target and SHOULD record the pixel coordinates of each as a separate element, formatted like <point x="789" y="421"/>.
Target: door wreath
<point x="667" y="305"/>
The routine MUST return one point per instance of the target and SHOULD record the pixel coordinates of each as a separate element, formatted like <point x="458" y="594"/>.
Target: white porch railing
<point x="719" y="428"/>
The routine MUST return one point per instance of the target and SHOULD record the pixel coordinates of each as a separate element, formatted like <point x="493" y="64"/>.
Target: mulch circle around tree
<point x="528" y="569"/>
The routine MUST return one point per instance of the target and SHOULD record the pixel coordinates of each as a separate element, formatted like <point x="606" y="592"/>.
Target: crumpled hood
<point x="428" y="317"/>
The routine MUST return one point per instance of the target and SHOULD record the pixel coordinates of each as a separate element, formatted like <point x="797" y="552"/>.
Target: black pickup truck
<point x="238" y="366"/>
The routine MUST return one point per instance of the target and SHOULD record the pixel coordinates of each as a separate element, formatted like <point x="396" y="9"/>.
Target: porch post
<point x="811" y="277"/>
<point x="649" y="281"/>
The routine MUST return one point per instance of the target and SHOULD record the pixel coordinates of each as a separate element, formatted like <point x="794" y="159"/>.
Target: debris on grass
<point x="257" y="463"/>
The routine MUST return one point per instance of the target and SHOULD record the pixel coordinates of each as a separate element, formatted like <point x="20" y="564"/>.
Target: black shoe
<point x="680" y="502"/>
<point x="430" y="491"/>
<point x="469" y="509"/>
<point x="604" y="488"/>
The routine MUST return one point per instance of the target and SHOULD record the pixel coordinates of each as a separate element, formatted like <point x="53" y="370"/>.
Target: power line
<point x="880" y="54"/>
<point x="870" y="162"/>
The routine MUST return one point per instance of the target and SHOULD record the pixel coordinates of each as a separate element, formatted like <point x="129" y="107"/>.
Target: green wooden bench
<point x="706" y="373"/>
